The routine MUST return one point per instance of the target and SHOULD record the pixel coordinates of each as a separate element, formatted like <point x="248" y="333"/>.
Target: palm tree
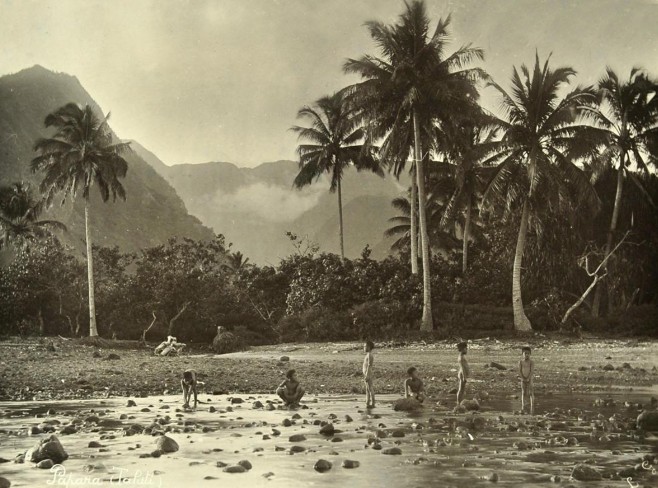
<point x="404" y="92"/>
<point x="460" y="142"/>
<point x="627" y="122"/>
<point x="336" y="142"/>
<point x="19" y="216"/>
<point x="536" y="173"/>
<point x="401" y="226"/>
<point x="236" y="261"/>
<point x="80" y="154"/>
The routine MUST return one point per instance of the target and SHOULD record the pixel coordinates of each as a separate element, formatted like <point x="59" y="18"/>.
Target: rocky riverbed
<point x="253" y="441"/>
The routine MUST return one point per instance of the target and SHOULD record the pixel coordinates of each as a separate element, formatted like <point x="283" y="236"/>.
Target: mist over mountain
<point x="152" y="213"/>
<point x="254" y="207"/>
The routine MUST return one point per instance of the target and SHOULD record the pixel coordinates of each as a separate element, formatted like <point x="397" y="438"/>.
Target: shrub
<point x="326" y="325"/>
<point x="289" y="329"/>
<point x="225" y="342"/>
<point x="383" y="318"/>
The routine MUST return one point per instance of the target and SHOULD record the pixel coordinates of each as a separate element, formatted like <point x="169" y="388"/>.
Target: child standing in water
<point x="367" y="374"/>
<point x="464" y="371"/>
<point x="526" y="368"/>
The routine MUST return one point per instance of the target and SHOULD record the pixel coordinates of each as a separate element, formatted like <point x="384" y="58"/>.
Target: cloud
<point x="270" y="202"/>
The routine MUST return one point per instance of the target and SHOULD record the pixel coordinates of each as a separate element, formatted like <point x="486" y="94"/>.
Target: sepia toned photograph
<point x="314" y="243"/>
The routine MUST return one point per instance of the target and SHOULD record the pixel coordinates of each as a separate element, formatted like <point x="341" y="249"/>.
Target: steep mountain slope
<point x="152" y="213"/>
<point x="254" y="207"/>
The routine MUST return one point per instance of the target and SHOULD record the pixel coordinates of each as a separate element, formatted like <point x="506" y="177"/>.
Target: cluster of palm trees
<point x="417" y="107"/>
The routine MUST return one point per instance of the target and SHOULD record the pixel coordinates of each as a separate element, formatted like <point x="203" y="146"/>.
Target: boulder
<point x="131" y="403"/>
<point x="470" y="405"/>
<point x="166" y="444"/>
<point x="350" y="464"/>
<point x="406" y="405"/>
<point x="113" y="356"/>
<point x="47" y="448"/>
<point x="648" y="420"/>
<point x="45" y="464"/>
<point x="582" y="472"/>
<point x="392" y="451"/>
<point x="94" y="444"/>
<point x="284" y="359"/>
<point x="297" y="438"/>
<point x="245" y="464"/>
<point x="257" y="404"/>
<point x="608" y="367"/>
<point x="327" y="429"/>
<point x="497" y="366"/>
<point x="4" y="482"/>
<point x="235" y="469"/>
<point x="322" y="465"/>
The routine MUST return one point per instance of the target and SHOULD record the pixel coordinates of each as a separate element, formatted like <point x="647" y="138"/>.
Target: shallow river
<point x="438" y="447"/>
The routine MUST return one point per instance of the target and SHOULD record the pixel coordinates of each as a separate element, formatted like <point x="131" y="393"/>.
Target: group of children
<point x="291" y="391"/>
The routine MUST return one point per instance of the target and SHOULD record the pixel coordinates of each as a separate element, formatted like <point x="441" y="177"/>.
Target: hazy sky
<point x="222" y="80"/>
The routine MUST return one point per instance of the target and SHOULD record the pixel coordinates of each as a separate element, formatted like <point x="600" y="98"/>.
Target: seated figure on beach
<point x="290" y="391"/>
<point x="413" y="386"/>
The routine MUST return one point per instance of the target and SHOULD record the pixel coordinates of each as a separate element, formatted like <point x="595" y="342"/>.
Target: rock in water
<point x="406" y="405"/>
<point x="235" y="469"/>
<point x="45" y="464"/>
<point x="349" y="464"/>
<point x="582" y="472"/>
<point x="166" y="444"/>
<point x="392" y="451"/>
<point x="297" y="438"/>
<point x="322" y="465"/>
<point x="4" y="482"/>
<point x="245" y="464"/>
<point x="470" y="405"/>
<point x="284" y="359"/>
<point x="225" y="342"/>
<point x="47" y="448"/>
<point x="648" y="420"/>
<point x="327" y="429"/>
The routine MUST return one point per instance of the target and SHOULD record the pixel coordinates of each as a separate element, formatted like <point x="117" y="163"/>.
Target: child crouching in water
<point x="290" y="391"/>
<point x="413" y="386"/>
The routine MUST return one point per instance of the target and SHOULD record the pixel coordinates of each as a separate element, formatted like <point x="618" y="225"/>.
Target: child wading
<point x="290" y="391"/>
<point x="526" y="368"/>
<point x="189" y="385"/>
<point x="367" y="374"/>
<point x="464" y="371"/>
<point x="413" y="386"/>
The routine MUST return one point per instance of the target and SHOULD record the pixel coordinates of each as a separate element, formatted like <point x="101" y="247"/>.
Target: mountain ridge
<point x="152" y="213"/>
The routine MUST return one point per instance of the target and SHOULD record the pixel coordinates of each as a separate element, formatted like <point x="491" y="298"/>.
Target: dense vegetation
<point x="540" y="217"/>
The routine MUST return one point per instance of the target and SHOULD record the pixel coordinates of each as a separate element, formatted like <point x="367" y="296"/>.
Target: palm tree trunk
<point x="340" y="222"/>
<point x="467" y="230"/>
<point x="413" y="220"/>
<point x="427" y="323"/>
<point x="93" y="331"/>
<point x="521" y="322"/>
<point x="596" y="302"/>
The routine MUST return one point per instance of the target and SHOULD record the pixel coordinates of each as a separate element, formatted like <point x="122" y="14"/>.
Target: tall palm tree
<point x="80" y="154"/>
<point x="19" y="216"/>
<point x="405" y="90"/>
<point x="336" y="141"/>
<point x="535" y="171"/>
<point x="627" y="122"/>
